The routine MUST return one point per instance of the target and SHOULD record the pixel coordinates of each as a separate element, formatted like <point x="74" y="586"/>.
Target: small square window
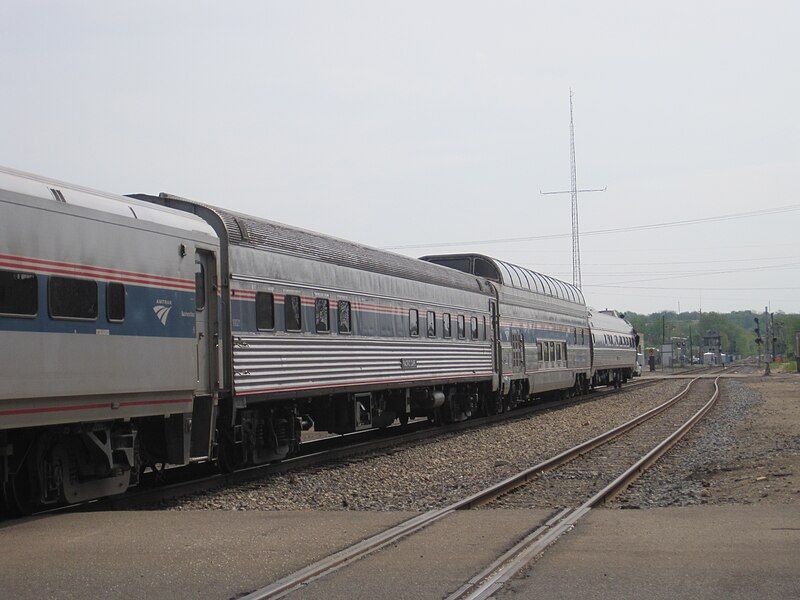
<point x="265" y="311"/>
<point x="115" y="302"/>
<point x="431" y="322"/>
<point x="345" y="323"/>
<point x="413" y="322"/>
<point x="292" y="313"/>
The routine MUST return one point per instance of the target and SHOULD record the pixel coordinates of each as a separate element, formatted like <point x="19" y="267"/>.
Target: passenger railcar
<point x="543" y="330"/>
<point x="320" y="330"/>
<point x="614" y="348"/>
<point x="100" y="362"/>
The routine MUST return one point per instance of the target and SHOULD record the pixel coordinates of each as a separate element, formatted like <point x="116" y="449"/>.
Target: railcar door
<point x="204" y="308"/>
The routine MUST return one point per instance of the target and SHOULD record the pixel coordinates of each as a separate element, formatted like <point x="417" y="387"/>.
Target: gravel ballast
<point x="721" y="443"/>
<point x="438" y="471"/>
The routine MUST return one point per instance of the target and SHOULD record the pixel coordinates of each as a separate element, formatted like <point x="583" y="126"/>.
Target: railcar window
<point x="292" y="313"/>
<point x="558" y="351"/>
<point x="199" y="286"/>
<point x="413" y="322"/>
<point x="583" y="336"/>
<point x="483" y="268"/>
<point x="344" y="317"/>
<point x="539" y="351"/>
<point x="265" y="311"/>
<point x="115" y="302"/>
<point x="461" y="328"/>
<point x="483" y="329"/>
<point x="72" y="298"/>
<point x="322" y="321"/>
<point x="446" y="324"/>
<point x="473" y="328"/>
<point x="430" y="321"/>
<point x="18" y="293"/>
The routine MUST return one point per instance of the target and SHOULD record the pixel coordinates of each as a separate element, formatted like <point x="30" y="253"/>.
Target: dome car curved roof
<point x="509" y="274"/>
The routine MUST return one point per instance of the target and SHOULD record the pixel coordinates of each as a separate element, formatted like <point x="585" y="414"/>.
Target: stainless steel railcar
<point x="543" y="330"/>
<point x="319" y="330"/>
<point x="106" y="322"/>
<point x="614" y="348"/>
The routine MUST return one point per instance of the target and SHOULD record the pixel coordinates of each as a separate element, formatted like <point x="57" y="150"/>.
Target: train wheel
<point x="403" y="418"/>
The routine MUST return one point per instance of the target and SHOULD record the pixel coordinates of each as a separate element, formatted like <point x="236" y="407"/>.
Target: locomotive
<point x="149" y="330"/>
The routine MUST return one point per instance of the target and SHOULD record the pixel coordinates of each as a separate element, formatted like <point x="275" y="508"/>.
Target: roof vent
<point x="58" y="195"/>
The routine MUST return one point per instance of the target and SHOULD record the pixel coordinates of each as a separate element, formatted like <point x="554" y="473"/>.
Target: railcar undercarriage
<point x="68" y="464"/>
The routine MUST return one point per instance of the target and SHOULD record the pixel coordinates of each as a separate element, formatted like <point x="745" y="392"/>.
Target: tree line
<point x="736" y="329"/>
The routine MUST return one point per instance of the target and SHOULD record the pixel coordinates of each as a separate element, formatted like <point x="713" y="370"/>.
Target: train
<point x="149" y="330"/>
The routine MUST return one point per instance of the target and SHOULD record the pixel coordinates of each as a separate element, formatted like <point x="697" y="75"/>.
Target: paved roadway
<point x="698" y="552"/>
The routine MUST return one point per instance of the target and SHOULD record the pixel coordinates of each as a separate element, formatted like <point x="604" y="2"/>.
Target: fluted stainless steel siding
<point x="264" y="364"/>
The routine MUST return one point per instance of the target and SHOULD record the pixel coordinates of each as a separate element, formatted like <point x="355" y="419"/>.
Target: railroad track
<point x="336" y="448"/>
<point x="177" y="483"/>
<point x="628" y="450"/>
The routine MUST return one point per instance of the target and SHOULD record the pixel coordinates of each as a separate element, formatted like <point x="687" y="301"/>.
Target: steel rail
<point x="492" y="579"/>
<point x="306" y="575"/>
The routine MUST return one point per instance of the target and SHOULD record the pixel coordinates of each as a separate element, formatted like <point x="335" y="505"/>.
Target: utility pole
<point x="573" y="192"/>
<point x="767" y="359"/>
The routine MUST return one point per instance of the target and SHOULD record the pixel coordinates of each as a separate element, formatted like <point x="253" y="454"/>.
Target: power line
<point x="698" y="273"/>
<point x="596" y="232"/>
<point x="674" y="262"/>
<point x="626" y="250"/>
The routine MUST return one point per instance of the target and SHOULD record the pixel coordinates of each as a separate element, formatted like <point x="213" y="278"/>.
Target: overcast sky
<point x="402" y="123"/>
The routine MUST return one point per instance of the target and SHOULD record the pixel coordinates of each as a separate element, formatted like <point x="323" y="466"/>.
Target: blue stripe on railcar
<point x="149" y="312"/>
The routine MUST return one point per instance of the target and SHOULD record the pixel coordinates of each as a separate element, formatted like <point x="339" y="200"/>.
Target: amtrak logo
<point x="162" y="312"/>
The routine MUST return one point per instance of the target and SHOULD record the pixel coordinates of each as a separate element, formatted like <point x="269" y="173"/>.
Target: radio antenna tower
<point x="573" y="192"/>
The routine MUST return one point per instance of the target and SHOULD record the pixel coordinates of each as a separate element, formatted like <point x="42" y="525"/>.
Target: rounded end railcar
<point x="614" y="348"/>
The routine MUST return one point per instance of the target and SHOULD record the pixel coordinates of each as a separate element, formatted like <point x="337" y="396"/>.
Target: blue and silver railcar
<point x="106" y="324"/>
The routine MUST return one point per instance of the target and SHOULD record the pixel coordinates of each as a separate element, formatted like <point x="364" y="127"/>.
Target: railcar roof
<point x="28" y="184"/>
<point x="517" y="277"/>
<point x="261" y="234"/>
<point x="608" y="322"/>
